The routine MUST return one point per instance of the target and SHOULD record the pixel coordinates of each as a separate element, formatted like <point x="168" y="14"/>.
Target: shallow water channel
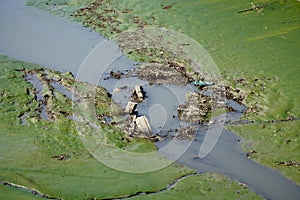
<point x="35" y="36"/>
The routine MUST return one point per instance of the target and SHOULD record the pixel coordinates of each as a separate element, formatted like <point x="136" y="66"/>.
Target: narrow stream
<point x="35" y="36"/>
<point x="32" y="191"/>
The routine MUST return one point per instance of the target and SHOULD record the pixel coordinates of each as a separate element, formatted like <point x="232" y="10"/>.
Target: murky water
<point x="35" y="36"/>
<point x="39" y="96"/>
<point x="227" y="158"/>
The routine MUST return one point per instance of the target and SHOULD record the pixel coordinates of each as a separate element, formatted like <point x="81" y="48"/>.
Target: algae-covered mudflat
<point x="46" y="157"/>
<point x="255" y="51"/>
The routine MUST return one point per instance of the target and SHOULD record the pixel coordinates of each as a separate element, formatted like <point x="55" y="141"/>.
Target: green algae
<point x="205" y="186"/>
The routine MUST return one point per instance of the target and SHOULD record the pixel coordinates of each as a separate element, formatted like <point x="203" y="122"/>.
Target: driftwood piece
<point x="255" y="7"/>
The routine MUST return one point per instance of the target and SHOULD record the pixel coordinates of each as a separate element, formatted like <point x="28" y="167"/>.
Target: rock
<point x="131" y="106"/>
<point x="138" y="94"/>
<point x="143" y="124"/>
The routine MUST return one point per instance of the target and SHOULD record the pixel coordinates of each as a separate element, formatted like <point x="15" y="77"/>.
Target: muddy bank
<point x="32" y="191"/>
<point x="156" y="73"/>
<point x="168" y="187"/>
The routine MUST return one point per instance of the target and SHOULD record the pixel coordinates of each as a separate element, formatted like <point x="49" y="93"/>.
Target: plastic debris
<point x="203" y="84"/>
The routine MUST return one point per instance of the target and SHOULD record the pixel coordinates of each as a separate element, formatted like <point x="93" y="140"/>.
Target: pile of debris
<point x="236" y="95"/>
<point x="196" y="109"/>
<point x="186" y="133"/>
<point x="114" y="75"/>
<point x="161" y="74"/>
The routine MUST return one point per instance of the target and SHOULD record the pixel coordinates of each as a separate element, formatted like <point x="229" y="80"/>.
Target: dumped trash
<point x="203" y="83"/>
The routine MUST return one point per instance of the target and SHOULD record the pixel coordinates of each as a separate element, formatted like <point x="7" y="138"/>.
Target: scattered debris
<point x="240" y="80"/>
<point x="61" y="157"/>
<point x="290" y="118"/>
<point x="141" y="23"/>
<point x="289" y="163"/>
<point x="195" y="109"/>
<point x="287" y="141"/>
<point x="95" y="18"/>
<point x="117" y="90"/>
<point x="23" y="117"/>
<point x="251" y="153"/>
<point x="186" y="133"/>
<point x="161" y="74"/>
<point x="116" y="75"/>
<point x="236" y="95"/>
<point x="168" y="6"/>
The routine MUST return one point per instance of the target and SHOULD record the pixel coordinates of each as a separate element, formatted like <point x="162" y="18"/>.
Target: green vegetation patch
<point x="205" y="186"/>
<point x="275" y="145"/>
<point x="59" y="7"/>
<point x="11" y="193"/>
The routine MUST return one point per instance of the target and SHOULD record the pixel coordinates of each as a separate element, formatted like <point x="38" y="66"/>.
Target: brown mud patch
<point x="156" y="73"/>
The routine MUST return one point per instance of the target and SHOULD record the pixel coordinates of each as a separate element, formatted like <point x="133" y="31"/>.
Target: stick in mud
<point x="255" y="7"/>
